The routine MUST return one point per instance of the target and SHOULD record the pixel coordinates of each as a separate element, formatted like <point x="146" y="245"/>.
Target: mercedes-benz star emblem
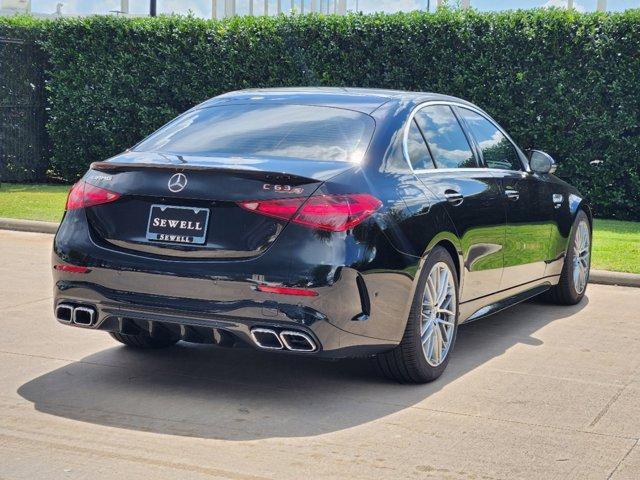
<point x="177" y="182"/>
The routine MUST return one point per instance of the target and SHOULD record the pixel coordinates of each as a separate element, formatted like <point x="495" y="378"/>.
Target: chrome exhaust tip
<point x="84" y="316"/>
<point x="266" y="338"/>
<point x="64" y="313"/>
<point x="297" y="341"/>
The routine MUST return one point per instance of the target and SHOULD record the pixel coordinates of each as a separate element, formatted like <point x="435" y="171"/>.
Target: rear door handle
<point x="512" y="194"/>
<point x="454" y="197"/>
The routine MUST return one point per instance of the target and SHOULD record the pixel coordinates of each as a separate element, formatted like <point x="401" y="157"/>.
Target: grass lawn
<point x="616" y="244"/>
<point x="33" y="202"/>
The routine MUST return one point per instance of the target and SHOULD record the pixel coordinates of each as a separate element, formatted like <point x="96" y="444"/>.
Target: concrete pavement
<point x="534" y="392"/>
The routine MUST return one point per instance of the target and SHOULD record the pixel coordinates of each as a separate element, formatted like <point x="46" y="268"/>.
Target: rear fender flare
<point x="451" y="242"/>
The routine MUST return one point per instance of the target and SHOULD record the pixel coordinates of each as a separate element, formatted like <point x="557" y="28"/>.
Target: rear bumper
<point x="363" y="289"/>
<point x="208" y="321"/>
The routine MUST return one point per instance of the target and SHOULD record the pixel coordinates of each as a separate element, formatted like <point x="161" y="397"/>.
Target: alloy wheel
<point x="581" y="256"/>
<point x="438" y="314"/>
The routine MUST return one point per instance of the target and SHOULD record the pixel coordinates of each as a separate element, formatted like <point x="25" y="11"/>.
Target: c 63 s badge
<point x="283" y="188"/>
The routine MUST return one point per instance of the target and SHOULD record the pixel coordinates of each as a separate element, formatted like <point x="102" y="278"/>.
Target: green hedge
<point x="24" y="153"/>
<point x="561" y="81"/>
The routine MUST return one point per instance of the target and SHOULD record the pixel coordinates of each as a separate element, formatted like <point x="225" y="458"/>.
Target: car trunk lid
<point x="179" y="206"/>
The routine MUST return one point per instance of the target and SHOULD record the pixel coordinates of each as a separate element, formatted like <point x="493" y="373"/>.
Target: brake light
<point x="302" y="292"/>
<point x="83" y="195"/>
<point x="335" y="213"/>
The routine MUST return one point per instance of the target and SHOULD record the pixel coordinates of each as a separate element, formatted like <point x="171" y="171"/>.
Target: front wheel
<point x="430" y="334"/>
<point x="577" y="263"/>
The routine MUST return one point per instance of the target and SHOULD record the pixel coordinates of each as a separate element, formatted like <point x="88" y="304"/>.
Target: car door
<point x="526" y="197"/>
<point x="449" y="169"/>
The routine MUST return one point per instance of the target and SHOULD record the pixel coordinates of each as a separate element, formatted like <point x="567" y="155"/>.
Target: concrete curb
<point x="614" y="278"/>
<point x="596" y="276"/>
<point x="28" y="225"/>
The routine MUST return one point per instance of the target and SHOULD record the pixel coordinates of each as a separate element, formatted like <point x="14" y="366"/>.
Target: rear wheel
<point x="577" y="263"/>
<point x="430" y="334"/>
<point x="144" y="340"/>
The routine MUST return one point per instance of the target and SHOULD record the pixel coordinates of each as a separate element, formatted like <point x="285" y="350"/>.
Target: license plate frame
<point x="183" y="231"/>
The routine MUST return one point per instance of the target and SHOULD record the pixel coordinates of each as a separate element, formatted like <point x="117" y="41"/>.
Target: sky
<point x="202" y="8"/>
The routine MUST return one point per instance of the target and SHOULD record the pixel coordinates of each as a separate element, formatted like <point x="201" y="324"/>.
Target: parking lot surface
<point x="537" y="391"/>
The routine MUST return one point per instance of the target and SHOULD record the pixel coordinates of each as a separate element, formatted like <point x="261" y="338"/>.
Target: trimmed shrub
<point x="560" y="81"/>
<point x="24" y="154"/>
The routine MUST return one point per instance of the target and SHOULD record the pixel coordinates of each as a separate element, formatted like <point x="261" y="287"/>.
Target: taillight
<point x="83" y="195"/>
<point x="335" y="213"/>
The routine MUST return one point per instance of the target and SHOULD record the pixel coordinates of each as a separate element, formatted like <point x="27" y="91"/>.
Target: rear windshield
<point x="291" y="131"/>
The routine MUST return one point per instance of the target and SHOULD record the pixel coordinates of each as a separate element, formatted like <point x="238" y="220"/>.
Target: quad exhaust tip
<point x="81" y="316"/>
<point x="297" y="341"/>
<point x="64" y="312"/>
<point x="286" y="340"/>
<point x="266" y="338"/>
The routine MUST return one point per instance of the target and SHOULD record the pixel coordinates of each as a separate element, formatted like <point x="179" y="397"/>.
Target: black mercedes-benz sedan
<point x="318" y="221"/>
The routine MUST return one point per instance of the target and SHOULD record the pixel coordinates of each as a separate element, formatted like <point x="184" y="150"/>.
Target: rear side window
<point x="497" y="150"/>
<point x="445" y="137"/>
<point x="266" y="130"/>
<point x="419" y="155"/>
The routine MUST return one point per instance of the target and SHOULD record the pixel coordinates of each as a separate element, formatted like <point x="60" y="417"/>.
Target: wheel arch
<point x="453" y="251"/>
<point x="578" y="203"/>
<point x="451" y="243"/>
<point x="586" y="208"/>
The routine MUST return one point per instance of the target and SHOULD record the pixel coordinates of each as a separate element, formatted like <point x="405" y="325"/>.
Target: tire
<point x="408" y="363"/>
<point x="566" y="292"/>
<point x="144" y="340"/>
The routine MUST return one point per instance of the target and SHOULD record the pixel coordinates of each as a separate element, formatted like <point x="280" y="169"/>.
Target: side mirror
<point x="541" y="162"/>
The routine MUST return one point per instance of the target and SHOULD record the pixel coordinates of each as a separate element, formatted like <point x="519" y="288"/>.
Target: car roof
<point x="364" y="100"/>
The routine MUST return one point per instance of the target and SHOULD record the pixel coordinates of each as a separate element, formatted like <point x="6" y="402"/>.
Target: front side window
<point x="446" y="139"/>
<point x="419" y="155"/>
<point x="497" y="150"/>
<point x="266" y="130"/>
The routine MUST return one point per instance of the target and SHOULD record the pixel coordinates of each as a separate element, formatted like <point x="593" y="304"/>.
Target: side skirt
<point x="485" y="306"/>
